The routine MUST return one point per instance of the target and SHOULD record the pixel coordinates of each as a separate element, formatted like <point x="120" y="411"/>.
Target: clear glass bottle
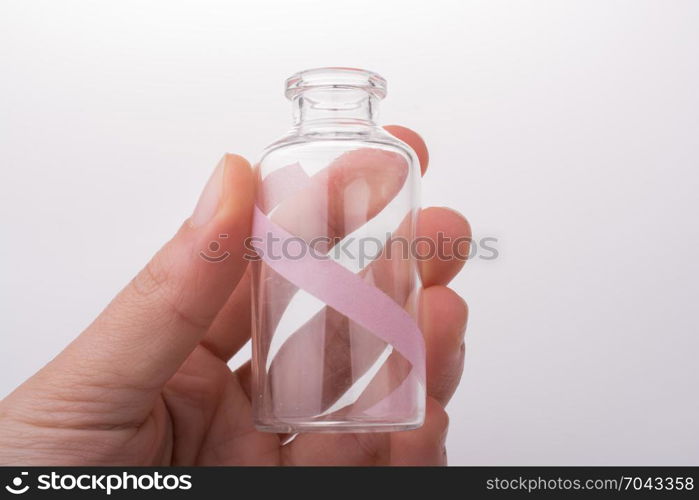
<point x="336" y="347"/>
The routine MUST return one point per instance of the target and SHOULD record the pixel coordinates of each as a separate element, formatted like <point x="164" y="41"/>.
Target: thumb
<point x="130" y="351"/>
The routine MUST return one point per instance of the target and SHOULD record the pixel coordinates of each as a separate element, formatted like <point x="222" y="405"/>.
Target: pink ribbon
<point x="332" y="283"/>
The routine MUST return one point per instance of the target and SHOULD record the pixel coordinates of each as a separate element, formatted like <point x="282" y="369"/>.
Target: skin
<point x="147" y="382"/>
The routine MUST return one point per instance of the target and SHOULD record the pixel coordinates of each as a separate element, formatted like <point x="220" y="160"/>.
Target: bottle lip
<point x="338" y="77"/>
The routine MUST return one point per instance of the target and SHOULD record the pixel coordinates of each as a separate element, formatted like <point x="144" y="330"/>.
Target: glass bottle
<point x="336" y="347"/>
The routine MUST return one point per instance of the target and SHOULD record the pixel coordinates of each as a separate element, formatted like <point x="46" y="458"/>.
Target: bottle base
<point x="291" y="426"/>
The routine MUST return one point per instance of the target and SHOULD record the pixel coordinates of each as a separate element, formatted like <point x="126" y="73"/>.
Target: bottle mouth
<point x="347" y="78"/>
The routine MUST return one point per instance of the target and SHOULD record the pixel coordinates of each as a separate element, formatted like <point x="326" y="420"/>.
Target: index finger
<point x="414" y="140"/>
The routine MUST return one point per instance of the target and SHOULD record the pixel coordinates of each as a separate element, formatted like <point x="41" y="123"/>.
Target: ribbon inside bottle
<point x="335" y="343"/>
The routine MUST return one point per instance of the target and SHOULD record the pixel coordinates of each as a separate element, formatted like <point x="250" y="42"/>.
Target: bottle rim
<point x="336" y="77"/>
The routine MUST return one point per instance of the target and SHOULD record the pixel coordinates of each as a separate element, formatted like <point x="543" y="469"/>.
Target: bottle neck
<point x="331" y="106"/>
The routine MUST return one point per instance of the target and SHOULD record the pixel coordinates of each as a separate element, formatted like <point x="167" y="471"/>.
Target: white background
<point x="569" y="130"/>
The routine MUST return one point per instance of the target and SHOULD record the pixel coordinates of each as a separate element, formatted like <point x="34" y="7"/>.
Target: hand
<point x="147" y="382"/>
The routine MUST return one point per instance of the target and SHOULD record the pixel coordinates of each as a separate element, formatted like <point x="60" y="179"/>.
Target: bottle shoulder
<point x="339" y="139"/>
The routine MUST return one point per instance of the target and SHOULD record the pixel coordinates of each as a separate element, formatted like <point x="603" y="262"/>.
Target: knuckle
<point x="159" y="289"/>
<point x="443" y="420"/>
<point x="152" y="279"/>
<point x="439" y="417"/>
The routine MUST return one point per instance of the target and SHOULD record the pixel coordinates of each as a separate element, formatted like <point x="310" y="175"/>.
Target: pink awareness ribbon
<point x="335" y="285"/>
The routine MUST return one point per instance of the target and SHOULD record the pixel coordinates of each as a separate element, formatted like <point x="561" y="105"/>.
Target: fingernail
<point x="210" y="198"/>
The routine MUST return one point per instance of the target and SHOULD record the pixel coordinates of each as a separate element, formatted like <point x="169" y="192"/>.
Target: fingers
<point x="443" y="318"/>
<point x="212" y="417"/>
<point x="232" y="327"/>
<point x="412" y="139"/>
<point x="423" y="446"/>
<point x="354" y="188"/>
<point x="337" y="200"/>
<point x="444" y="235"/>
<point x="150" y="328"/>
<point x="343" y="449"/>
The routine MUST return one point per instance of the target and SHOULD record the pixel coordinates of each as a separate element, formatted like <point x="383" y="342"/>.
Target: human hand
<point x="147" y="382"/>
